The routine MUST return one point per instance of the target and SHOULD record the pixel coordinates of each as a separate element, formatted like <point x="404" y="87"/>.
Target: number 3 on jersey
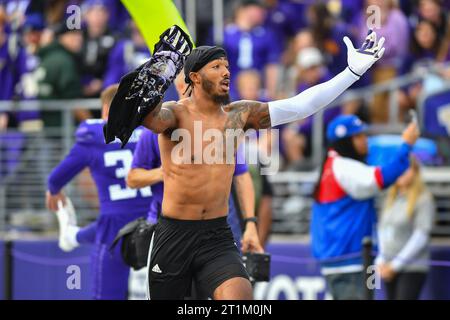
<point x="116" y="192"/>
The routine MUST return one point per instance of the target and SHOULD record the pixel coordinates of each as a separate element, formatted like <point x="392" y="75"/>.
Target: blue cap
<point x="88" y="4"/>
<point x="345" y="126"/>
<point x="34" y="21"/>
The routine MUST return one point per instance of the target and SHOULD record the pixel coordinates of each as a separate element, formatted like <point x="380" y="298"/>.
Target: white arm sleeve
<point x="311" y="100"/>
<point x="417" y="241"/>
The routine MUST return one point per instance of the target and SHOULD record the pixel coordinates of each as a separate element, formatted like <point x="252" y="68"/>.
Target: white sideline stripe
<point x="148" y="266"/>
<point x="344" y="269"/>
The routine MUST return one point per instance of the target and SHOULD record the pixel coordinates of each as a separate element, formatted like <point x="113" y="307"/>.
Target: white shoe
<point x="67" y="226"/>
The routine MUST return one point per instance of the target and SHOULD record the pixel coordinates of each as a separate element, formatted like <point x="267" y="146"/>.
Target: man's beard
<point x="222" y="99"/>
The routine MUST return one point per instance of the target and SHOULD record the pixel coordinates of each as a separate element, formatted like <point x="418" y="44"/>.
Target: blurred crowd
<point x="276" y="48"/>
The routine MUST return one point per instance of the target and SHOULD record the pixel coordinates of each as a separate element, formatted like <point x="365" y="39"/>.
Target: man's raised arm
<point x="162" y="119"/>
<point x="308" y="102"/>
<point x="141" y="91"/>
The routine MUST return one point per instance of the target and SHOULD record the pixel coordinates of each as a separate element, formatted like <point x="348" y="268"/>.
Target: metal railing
<point x="293" y="199"/>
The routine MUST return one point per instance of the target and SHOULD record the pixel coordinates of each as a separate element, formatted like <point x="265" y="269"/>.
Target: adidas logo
<point x="156" y="269"/>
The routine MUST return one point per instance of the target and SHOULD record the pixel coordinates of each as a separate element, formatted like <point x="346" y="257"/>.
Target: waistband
<point x="195" y="224"/>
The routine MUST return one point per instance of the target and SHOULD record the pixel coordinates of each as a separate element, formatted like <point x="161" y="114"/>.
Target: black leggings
<point x="405" y="286"/>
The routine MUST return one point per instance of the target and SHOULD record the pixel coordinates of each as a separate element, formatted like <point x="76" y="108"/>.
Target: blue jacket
<point x="344" y="211"/>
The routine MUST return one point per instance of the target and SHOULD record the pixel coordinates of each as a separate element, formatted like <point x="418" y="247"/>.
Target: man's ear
<point x="195" y="77"/>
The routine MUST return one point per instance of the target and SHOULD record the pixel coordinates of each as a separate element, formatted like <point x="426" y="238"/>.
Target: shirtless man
<point x="192" y="238"/>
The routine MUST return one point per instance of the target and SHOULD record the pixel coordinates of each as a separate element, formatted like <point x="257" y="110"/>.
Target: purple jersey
<point x="286" y="18"/>
<point x="250" y="50"/>
<point x="147" y="156"/>
<point x="12" y="67"/>
<point x="109" y="166"/>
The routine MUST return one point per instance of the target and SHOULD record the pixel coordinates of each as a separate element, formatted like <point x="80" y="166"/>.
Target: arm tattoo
<point x="236" y="116"/>
<point x="163" y="119"/>
<point x="252" y="114"/>
<point x="165" y="115"/>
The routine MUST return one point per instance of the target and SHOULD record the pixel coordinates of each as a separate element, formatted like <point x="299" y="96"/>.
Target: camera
<point x="257" y="265"/>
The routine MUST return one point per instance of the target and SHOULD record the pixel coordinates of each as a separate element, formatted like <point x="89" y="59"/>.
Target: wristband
<point x="251" y="219"/>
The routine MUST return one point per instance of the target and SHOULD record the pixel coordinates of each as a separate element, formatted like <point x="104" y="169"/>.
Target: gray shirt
<point x="396" y="230"/>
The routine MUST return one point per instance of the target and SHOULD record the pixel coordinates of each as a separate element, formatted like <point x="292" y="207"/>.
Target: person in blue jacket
<point x="343" y="212"/>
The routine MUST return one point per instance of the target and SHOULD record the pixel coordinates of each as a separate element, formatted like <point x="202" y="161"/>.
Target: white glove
<point x="68" y="210"/>
<point x="67" y="220"/>
<point x="360" y="60"/>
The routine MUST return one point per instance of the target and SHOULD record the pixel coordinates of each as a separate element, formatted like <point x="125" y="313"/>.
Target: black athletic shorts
<point x="186" y="250"/>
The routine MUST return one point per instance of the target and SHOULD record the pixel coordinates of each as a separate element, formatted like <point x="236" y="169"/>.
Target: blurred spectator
<point x="118" y="15"/>
<point x="97" y="44"/>
<point x="12" y="64"/>
<point x="425" y="42"/>
<point x="28" y="88"/>
<point x="32" y="31"/>
<point x="249" y="85"/>
<point x="425" y="47"/>
<point x="296" y="137"/>
<point x="55" y="11"/>
<point x="343" y="213"/>
<point x="356" y="105"/>
<point x="126" y="55"/>
<point x="12" y="57"/>
<point x="15" y="9"/>
<point x="347" y="10"/>
<point x="263" y="201"/>
<point x="58" y="73"/>
<point x="394" y="27"/>
<point x="302" y="39"/>
<point x="285" y="18"/>
<point x="249" y="88"/>
<point x="311" y="69"/>
<point x="32" y="42"/>
<point x="204" y="16"/>
<point x="434" y="11"/>
<point x="250" y="45"/>
<point x="404" y="236"/>
<point x="328" y="34"/>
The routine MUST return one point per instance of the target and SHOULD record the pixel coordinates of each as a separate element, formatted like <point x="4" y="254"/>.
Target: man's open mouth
<point x="225" y="84"/>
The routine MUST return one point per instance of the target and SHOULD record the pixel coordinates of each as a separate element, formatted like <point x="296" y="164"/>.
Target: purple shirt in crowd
<point x="250" y="50"/>
<point x="12" y="67"/>
<point x="396" y="31"/>
<point x="109" y="166"/>
<point x="286" y="18"/>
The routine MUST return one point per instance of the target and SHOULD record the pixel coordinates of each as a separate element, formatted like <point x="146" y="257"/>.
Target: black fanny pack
<point x="136" y="237"/>
<point x="257" y="265"/>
